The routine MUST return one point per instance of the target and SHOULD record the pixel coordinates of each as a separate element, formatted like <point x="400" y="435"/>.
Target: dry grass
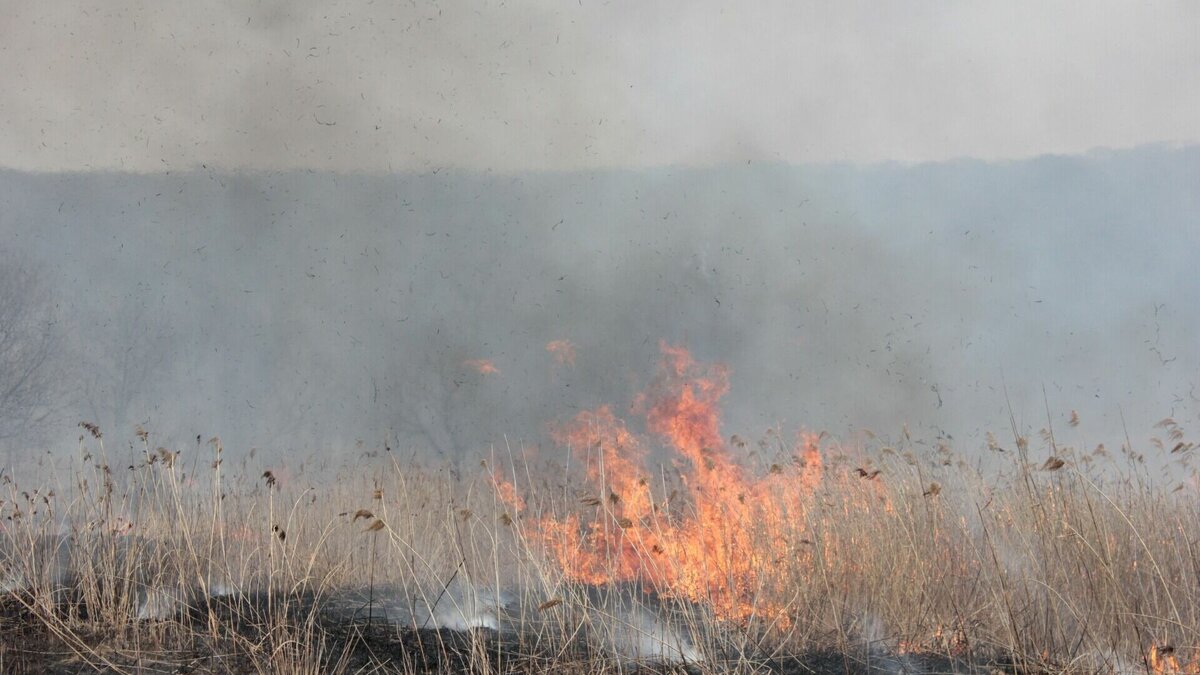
<point x="904" y="558"/>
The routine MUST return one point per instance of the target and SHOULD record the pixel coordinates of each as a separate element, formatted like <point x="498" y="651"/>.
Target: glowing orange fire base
<point x="718" y="542"/>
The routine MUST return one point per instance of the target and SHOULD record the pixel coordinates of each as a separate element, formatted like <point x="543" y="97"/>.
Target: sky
<point x="365" y="85"/>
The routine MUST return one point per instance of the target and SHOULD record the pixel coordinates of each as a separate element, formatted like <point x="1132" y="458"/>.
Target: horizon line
<point x="1096" y="152"/>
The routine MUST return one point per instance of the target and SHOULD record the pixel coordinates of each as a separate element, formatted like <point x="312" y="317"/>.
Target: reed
<point x="899" y="556"/>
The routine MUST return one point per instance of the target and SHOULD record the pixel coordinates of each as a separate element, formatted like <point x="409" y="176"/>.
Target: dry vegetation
<point x="901" y="558"/>
<point x="669" y="549"/>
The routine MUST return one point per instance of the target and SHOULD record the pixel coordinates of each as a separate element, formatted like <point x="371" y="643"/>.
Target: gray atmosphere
<point x="360" y="85"/>
<point x="301" y="311"/>
<point x="302" y="226"/>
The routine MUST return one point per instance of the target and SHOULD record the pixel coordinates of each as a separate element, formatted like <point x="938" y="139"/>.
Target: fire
<point x="482" y="366"/>
<point x="563" y="352"/>
<point x="713" y="534"/>
<point x="1162" y="660"/>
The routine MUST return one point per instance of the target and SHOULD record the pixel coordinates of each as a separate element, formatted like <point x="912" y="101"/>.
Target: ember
<point x="482" y="366"/>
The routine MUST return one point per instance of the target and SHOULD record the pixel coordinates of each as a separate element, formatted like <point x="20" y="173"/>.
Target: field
<point x="657" y="544"/>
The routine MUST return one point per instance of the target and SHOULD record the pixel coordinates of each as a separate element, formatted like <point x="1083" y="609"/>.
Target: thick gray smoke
<point x="542" y="84"/>
<point x="306" y="310"/>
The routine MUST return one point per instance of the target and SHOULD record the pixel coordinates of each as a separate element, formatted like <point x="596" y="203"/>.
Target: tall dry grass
<point x="1048" y="559"/>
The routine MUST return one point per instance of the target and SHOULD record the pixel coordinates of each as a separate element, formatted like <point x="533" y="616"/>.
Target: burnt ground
<point x="230" y="640"/>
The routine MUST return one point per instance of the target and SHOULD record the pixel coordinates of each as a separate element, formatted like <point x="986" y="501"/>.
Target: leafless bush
<point x="30" y="344"/>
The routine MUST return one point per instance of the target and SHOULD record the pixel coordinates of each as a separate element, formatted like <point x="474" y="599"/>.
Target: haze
<point x="384" y="86"/>
<point x="300" y="226"/>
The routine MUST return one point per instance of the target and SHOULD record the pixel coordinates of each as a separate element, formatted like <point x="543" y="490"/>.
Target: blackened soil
<point x="265" y="635"/>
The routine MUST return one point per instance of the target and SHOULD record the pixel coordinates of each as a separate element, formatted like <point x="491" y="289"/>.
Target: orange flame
<point x="715" y="537"/>
<point x="563" y="352"/>
<point x="482" y="366"/>
<point x="1162" y="660"/>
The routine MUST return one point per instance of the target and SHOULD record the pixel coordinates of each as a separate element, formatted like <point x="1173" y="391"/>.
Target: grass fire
<point x="646" y="540"/>
<point x="599" y="338"/>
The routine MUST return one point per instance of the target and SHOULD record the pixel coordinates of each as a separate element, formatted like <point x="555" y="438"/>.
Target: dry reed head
<point x="1053" y="464"/>
<point x="549" y="604"/>
<point x="989" y="561"/>
<point x="92" y="429"/>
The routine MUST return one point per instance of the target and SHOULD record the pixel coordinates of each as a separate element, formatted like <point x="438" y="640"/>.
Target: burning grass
<point x="656" y="543"/>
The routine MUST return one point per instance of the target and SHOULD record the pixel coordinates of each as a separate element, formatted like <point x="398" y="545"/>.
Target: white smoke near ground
<point x="618" y="621"/>
<point x="51" y="566"/>
<point x="462" y="606"/>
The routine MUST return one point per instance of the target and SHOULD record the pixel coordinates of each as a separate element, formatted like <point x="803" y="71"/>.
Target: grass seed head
<point x="1053" y="464"/>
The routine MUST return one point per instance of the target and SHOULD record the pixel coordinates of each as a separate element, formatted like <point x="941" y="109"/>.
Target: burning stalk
<point x="709" y="546"/>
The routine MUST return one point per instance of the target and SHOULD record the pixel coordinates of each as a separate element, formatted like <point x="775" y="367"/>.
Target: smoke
<point x="383" y="87"/>
<point x="298" y="311"/>
<point x="618" y="620"/>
